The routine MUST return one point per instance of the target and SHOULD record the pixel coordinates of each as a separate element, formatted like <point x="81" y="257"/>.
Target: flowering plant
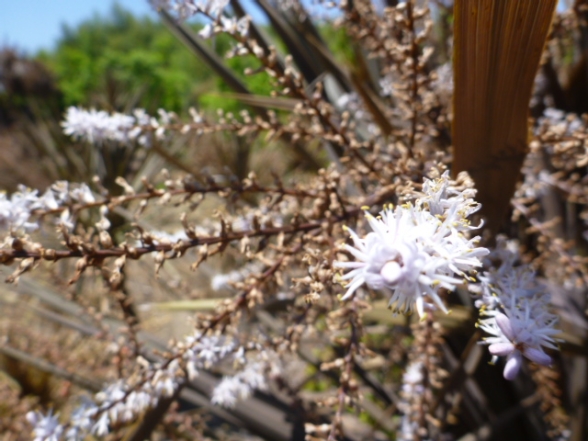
<point x="288" y="336"/>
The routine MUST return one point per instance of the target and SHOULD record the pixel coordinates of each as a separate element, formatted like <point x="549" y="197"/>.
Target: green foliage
<point x="122" y="61"/>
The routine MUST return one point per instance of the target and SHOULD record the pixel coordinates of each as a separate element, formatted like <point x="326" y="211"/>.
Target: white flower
<point x="82" y="193"/>
<point x="207" y="31"/>
<point x="165" y="380"/>
<point x="412" y="387"/>
<point x="140" y="400"/>
<point x="45" y="427"/>
<point x="523" y="330"/>
<point x="387" y="86"/>
<point x="408" y="429"/>
<point x="453" y="206"/>
<point x="411" y="252"/>
<point x="16" y="210"/>
<point x="515" y="305"/>
<point x="204" y="352"/>
<point x="415" y="250"/>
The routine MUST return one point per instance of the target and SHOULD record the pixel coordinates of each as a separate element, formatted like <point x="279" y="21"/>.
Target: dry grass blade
<point x="269" y="102"/>
<point x="297" y="47"/>
<point x="326" y="56"/>
<point x="497" y="50"/>
<point x="184" y="305"/>
<point x="255" y="414"/>
<point x="45" y="366"/>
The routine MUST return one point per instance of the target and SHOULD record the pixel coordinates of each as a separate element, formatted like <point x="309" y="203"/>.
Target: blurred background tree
<point x="122" y="61"/>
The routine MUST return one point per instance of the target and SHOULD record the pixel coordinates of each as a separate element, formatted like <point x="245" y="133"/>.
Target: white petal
<point x="513" y="365"/>
<point x="505" y="325"/>
<point x="501" y="349"/>
<point x="352" y="288"/>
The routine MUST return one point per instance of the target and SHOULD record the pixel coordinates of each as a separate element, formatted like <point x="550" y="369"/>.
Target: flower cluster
<point x="117" y="403"/>
<point x="254" y="374"/>
<point x="240" y="386"/>
<point x="514" y="305"/>
<point x="415" y="250"/>
<point x="17" y="209"/>
<point x="122" y="402"/>
<point x="99" y="126"/>
<point x="46" y="427"/>
<point x="229" y="25"/>
<point x="325" y="142"/>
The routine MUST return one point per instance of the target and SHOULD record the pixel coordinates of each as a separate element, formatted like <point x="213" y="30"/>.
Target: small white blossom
<point x="517" y="333"/>
<point x="15" y="210"/>
<point x="387" y="86"/>
<point x="81" y="420"/>
<point x="240" y="386"/>
<point x="82" y="193"/>
<point x="99" y="127"/>
<point x="408" y="429"/>
<point x="207" y="31"/>
<point x="204" y="352"/>
<point x="443" y="84"/>
<point x="165" y="381"/>
<point x="45" y="427"/>
<point x="514" y="304"/>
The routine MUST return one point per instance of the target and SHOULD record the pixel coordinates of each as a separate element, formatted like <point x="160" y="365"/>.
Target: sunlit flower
<point x="522" y="331"/>
<point x="15" y="210"/>
<point x="413" y="251"/>
<point x="45" y="427"/>
<point x="97" y="126"/>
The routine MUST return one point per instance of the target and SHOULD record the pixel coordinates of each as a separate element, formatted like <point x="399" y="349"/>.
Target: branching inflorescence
<point x="288" y="277"/>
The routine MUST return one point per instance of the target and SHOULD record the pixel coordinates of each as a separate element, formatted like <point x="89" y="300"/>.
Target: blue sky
<point x="31" y="25"/>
